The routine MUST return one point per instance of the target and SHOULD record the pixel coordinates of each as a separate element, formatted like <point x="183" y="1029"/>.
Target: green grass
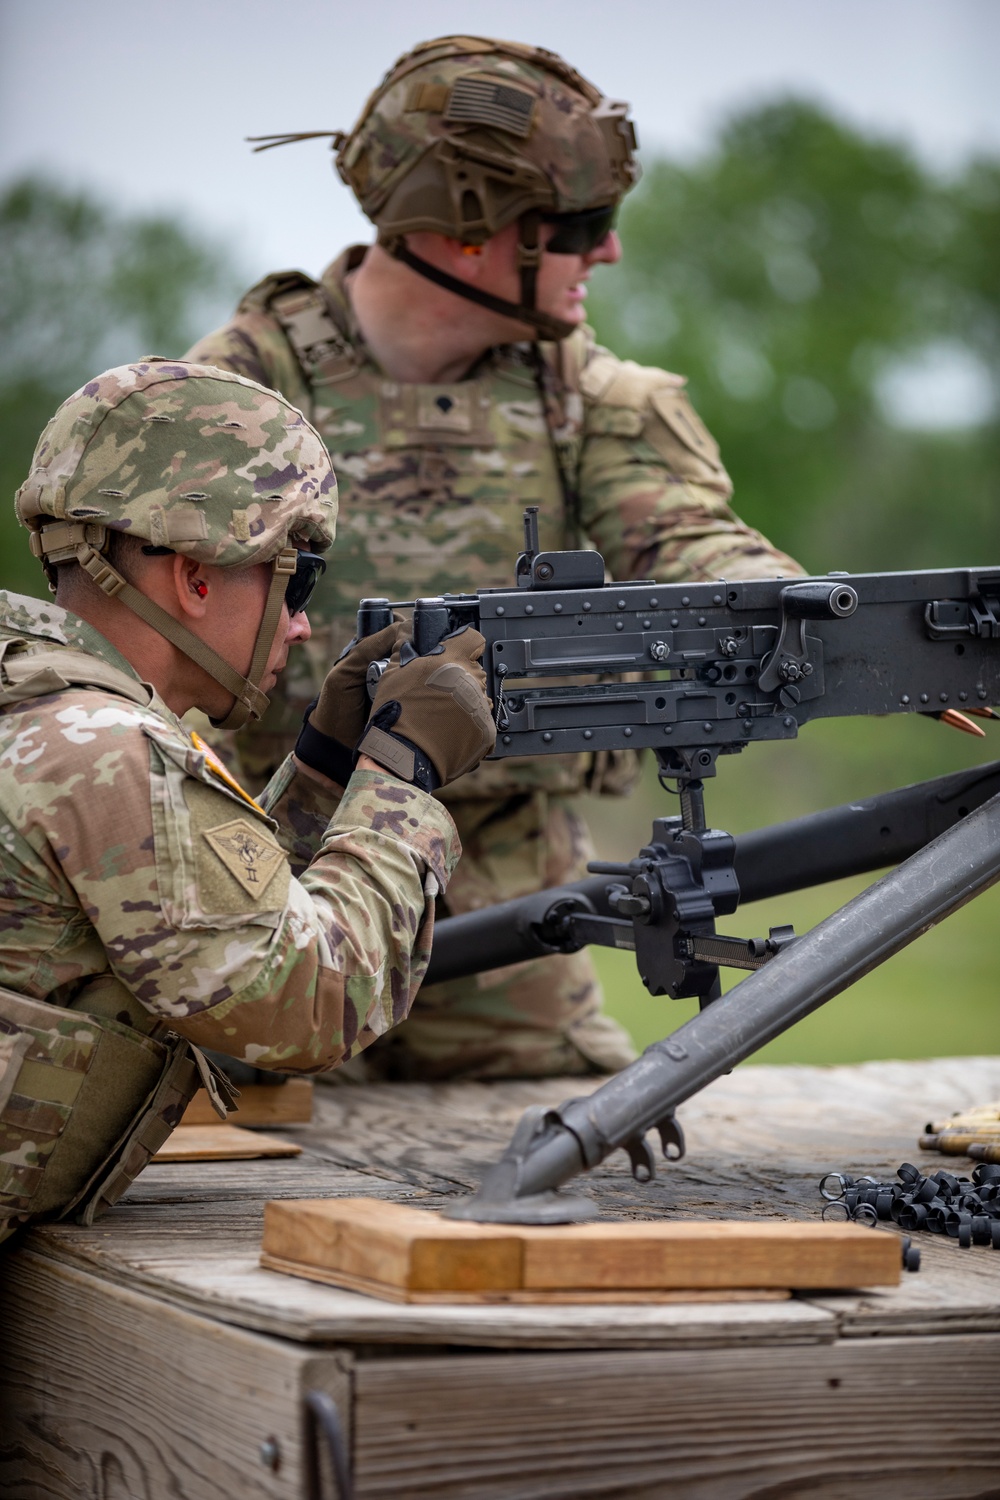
<point x="938" y="997"/>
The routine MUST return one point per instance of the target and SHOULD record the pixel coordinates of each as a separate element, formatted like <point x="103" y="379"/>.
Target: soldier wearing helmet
<point x="151" y="908"/>
<point x="450" y="371"/>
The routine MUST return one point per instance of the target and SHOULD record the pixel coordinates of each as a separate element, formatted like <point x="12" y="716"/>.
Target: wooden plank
<point x="222" y="1143"/>
<point x="288" y="1103"/>
<point x="207" y="1273"/>
<point x="738" y="1253"/>
<point x="110" y="1395"/>
<point x="887" y="1418"/>
<point x="368" y="1245"/>
<point x="383" y="1290"/>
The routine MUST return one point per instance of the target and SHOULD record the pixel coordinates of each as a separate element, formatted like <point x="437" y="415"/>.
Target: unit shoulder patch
<point x="248" y="856"/>
<point x="674" y="409"/>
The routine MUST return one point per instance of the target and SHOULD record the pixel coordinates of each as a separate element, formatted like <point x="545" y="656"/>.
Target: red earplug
<point x="201" y="589"/>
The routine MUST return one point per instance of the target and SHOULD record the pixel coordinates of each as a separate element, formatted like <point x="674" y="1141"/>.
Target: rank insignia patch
<point x="252" y="859"/>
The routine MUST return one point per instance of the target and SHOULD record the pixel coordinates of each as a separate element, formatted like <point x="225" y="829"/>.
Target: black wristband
<point x="324" y="754"/>
<point x="400" y="756"/>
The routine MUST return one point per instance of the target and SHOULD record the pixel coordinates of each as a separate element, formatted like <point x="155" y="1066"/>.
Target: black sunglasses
<point x="578" y="234"/>
<point x="309" y="567"/>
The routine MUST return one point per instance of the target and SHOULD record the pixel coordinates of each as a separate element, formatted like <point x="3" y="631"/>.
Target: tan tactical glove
<point x="334" y="722"/>
<point x="431" y="719"/>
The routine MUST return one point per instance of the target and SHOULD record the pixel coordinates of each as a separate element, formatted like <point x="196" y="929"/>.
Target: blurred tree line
<point x="807" y="278"/>
<point x="83" y="287"/>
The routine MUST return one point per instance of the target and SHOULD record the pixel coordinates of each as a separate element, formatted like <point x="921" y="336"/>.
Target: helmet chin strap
<point x="529" y="256"/>
<point x="82" y="542"/>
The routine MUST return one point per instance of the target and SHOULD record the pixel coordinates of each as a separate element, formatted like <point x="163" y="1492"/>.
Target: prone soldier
<point x="151" y="907"/>
<point x="451" y="374"/>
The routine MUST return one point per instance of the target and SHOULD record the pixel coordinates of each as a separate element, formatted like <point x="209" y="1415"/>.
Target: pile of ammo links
<point x="967" y="1209"/>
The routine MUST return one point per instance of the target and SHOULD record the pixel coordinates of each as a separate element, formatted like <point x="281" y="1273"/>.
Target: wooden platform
<point x="152" y="1356"/>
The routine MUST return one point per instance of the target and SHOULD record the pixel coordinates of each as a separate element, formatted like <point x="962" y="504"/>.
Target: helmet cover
<point x="185" y="456"/>
<point x="464" y="135"/>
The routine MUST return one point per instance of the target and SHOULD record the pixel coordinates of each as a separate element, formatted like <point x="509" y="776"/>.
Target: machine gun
<point x="695" y="671"/>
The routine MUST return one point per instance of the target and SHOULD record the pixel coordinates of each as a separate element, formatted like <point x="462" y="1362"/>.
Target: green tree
<point x="83" y="287"/>
<point x="788" y="272"/>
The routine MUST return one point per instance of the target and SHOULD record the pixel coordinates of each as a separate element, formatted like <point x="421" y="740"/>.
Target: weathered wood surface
<point x="222" y="1143"/>
<point x="758" y="1141"/>
<point x="150" y="1356"/>
<point x="888" y="1418"/>
<point x="289" y="1103"/>
<point x="107" y="1394"/>
<point x="111" y="1395"/>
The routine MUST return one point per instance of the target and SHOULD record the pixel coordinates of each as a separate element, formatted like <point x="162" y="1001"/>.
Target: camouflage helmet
<point x="193" y="460"/>
<point x="466" y="135"/>
<point x="185" y="456"/>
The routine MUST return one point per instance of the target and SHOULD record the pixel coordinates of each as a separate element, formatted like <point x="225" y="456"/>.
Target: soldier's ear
<point x="191" y="585"/>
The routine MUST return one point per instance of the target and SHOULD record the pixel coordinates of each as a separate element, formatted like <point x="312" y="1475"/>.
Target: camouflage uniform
<point x="143" y="891"/>
<point x="434" y="479"/>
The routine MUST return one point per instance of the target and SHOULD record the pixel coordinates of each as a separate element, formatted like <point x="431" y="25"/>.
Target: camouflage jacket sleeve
<point x="303" y="809"/>
<point x="654" y="496"/>
<point x="123" y="847"/>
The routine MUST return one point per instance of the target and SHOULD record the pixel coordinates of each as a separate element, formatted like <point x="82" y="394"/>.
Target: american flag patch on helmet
<point x="490" y="101"/>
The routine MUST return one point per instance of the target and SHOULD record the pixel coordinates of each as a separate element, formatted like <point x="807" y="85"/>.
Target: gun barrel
<point x="876" y="924"/>
<point x="858" y="837"/>
<point x="849" y="840"/>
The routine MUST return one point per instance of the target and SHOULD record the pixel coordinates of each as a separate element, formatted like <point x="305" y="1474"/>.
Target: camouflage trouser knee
<point x="535" y="1019"/>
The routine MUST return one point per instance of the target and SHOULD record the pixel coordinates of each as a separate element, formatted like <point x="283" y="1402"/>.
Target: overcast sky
<point x="150" y="103"/>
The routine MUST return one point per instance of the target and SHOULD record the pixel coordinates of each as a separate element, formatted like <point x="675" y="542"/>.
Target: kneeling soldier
<point x="150" y="906"/>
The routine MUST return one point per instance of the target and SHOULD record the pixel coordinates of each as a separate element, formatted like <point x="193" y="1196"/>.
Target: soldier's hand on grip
<point x="431" y="719"/>
<point x="334" y="723"/>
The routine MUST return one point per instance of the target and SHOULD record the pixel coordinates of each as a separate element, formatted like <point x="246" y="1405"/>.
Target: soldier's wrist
<point x="323" y="753"/>
<point x="400" y="757"/>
